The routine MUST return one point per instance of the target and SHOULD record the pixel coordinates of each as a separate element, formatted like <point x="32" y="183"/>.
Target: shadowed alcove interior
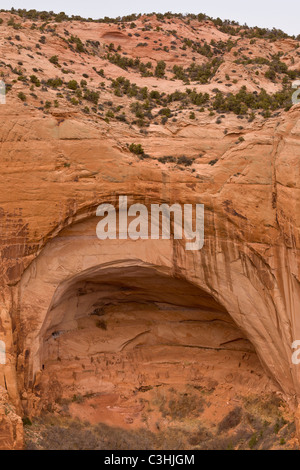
<point x="113" y="329"/>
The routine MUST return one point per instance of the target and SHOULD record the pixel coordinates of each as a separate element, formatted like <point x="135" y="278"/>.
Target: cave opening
<point x="119" y="342"/>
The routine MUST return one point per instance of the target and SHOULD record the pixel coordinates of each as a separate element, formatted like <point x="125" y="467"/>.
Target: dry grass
<point x="54" y="433"/>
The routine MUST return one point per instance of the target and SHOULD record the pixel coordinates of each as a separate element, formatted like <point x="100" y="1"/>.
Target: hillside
<point x="150" y="77"/>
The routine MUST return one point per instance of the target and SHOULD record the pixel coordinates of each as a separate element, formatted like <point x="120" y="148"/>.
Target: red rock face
<point x="103" y="319"/>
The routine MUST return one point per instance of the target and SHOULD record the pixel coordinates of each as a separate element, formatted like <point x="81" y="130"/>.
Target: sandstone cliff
<point x="234" y="302"/>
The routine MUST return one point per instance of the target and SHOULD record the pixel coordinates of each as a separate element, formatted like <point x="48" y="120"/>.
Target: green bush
<point x="54" y="82"/>
<point x="34" y="79"/>
<point x="125" y="63"/>
<point x="186" y="161"/>
<point x="137" y="149"/>
<point x="54" y="60"/>
<point x="160" y="69"/>
<point x="72" y="85"/>
<point x="253" y="441"/>
<point x="77" y="41"/>
<point x="92" y="96"/>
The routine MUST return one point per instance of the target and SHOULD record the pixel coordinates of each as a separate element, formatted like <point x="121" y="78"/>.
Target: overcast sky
<point x="284" y="15"/>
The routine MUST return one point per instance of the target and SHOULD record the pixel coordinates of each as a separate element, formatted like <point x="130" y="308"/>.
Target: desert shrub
<point x="165" y="112"/>
<point x="270" y="74"/>
<point x="179" y="73"/>
<point x="123" y="86"/>
<point x="186" y="161"/>
<point x="167" y="159"/>
<point x="54" y="60"/>
<point x="77" y="41"/>
<point x="68" y="434"/>
<point x="11" y="22"/>
<point x="197" y="437"/>
<point x="268" y="407"/>
<point x="54" y="82"/>
<point x="275" y="66"/>
<point x="77" y="398"/>
<point x="154" y="95"/>
<point x="26" y="421"/>
<point x="243" y="101"/>
<point x="34" y="79"/>
<point x="126" y="63"/>
<point x="203" y="73"/>
<point x="22" y="96"/>
<point x="110" y="114"/>
<point x="100" y="72"/>
<point x="92" y="96"/>
<point x="280" y="422"/>
<point x="160" y="69"/>
<point x="72" y="85"/>
<point x="121" y="117"/>
<point x="182" y="406"/>
<point x="231" y="420"/>
<point x="137" y="149"/>
<point x="253" y="441"/>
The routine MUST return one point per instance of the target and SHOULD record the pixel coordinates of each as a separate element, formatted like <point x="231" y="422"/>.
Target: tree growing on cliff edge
<point x="160" y="69"/>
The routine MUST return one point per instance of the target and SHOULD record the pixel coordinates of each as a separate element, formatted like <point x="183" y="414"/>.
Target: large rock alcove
<point x="106" y="319"/>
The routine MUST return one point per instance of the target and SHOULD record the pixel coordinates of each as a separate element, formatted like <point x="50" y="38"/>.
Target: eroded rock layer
<point x="80" y="316"/>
